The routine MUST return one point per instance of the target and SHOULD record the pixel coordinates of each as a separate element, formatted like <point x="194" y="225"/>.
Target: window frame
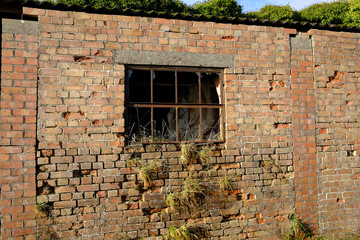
<point x="176" y="105"/>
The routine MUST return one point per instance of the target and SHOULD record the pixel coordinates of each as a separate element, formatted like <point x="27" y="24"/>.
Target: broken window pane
<point x="210" y="123"/>
<point x="188" y="122"/>
<point x="173" y="105"/>
<point x="139" y="128"/>
<point x="162" y="125"/>
<point x="210" y="88"/>
<point x="188" y="87"/>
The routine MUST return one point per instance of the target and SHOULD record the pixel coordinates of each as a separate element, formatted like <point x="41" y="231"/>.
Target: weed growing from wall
<point x="174" y="200"/>
<point x="133" y="162"/>
<point x="146" y="171"/>
<point x="354" y="236"/>
<point x="225" y="184"/>
<point x="180" y="233"/>
<point x="188" y="154"/>
<point x="300" y="230"/>
<point x="190" y="194"/>
<point x="43" y="209"/>
<point x="268" y="164"/>
<point x="192" y="188"/>
<point x="204" y="154"/>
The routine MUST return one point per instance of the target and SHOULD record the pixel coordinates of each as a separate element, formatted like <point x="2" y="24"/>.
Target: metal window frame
<point x="176" y="105"/>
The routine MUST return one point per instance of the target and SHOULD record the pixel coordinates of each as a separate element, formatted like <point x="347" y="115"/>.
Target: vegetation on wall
<point x="225" y="184"/>
<point x="146" y="171"/>
<point x="300" y="230"/>
<point x="43" y="209"/>
<point x="180" y="233"/>
<point x="189" y="195"/>
<point x="190" y="154"/>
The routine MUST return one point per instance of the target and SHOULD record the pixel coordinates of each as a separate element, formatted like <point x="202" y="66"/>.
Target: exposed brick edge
<point x="303" y="115"/>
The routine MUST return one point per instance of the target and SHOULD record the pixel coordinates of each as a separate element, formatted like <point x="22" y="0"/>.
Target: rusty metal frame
<point x="175" y="105"/>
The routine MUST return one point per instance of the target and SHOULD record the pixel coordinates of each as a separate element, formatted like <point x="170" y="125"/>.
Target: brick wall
<point x="291" y="129"/>
<point x="81" y="119"/>
<point x="336" y="69"/>
<point x="19" y="64"/>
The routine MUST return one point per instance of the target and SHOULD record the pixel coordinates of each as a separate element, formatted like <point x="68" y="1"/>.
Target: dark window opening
<point x="173" y="105"/>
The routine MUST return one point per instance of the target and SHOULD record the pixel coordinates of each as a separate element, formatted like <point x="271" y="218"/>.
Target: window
<point x="174" y="105"/>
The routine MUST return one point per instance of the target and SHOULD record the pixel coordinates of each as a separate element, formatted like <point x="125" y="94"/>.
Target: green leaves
<point x="333" y="12"/>
<point x="345" y="12"/>
<point x="228" y="8"/>
<point x="274" y="13"/>
<point x="147" y="5"/>
<point x="352" y="16"/>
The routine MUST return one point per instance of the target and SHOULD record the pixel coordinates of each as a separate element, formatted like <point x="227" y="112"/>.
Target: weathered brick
<point x="287" y="106"/>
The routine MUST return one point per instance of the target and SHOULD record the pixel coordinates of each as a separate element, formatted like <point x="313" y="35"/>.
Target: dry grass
<point x="225" y="184"/>
<point x="300" y="231"/>
<point x="188" y="154"/>
<point x="146" y="171"/>
<point x="180" y="233"/>
<point x="189" y="194"/>
<point x="205" y="154"/>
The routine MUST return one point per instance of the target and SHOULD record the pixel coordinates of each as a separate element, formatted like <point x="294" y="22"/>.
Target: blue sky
<point x="254" y="5"/>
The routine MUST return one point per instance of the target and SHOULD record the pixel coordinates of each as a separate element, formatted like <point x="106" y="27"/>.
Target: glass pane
<point x="188" y="120"/>
<point x="139" y="86"/>
<point x="164" y="124"/>
<point x="188" y="87"/>
<point x="210" y="88"/>
<point x="139" y="124"/>
<point x="210" y="124"/>
<point x="164" y="87"/>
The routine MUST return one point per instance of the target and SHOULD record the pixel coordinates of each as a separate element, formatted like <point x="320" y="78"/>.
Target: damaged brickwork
<point x="68" y="171"/>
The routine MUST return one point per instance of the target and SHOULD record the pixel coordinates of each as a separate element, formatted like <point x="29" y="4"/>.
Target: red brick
<point x="85" y="188"/>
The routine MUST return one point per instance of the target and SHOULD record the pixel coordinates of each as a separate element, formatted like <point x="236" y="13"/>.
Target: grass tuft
<point x="133" y="162"/>
<point x="43" y="209"/>
<point x="146" y="170"/>
<point x="180" y="233"/>
<point x="225" y="184"/>
<point x="205" y="154"/>
<point x="300" y="230"/>
<point x="189" y="195"/>
<point x="188" y="154"/>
